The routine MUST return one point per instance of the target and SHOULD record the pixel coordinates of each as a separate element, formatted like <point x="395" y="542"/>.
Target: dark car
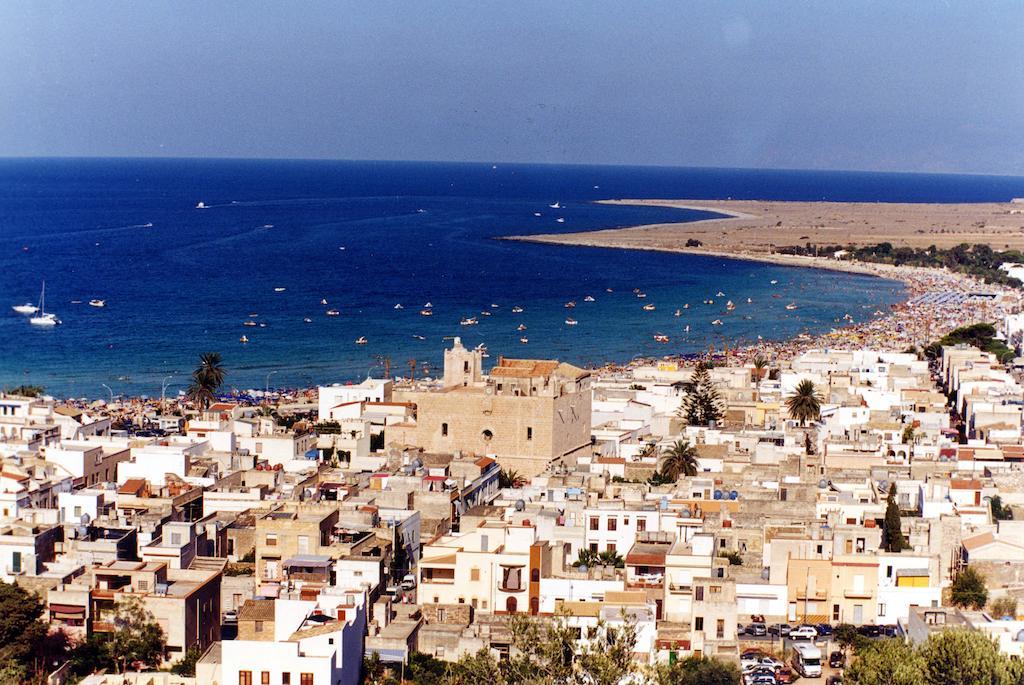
<point x="869" y="631"/>
<point x="836" y="659"/>
<point x="757" y="629"/>
<point x="824" y="629"/>
<point x="891" y="631"/>
<point x="834" y="680"/>
<point x="780" y="629"/>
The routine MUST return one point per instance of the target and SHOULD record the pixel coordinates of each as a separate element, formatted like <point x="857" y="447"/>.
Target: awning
<point x="308" y="562"/>
<point x="67" y="611"/>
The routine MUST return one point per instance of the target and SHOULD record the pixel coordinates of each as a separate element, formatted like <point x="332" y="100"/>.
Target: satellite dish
<point x="883" y="485"/>
<point x="520" y="505"/>
<point x="822" y="483"/>
<point x="687" y="513"/>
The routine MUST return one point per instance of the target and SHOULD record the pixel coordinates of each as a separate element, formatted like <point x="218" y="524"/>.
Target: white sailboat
<point x="42" y="318"/>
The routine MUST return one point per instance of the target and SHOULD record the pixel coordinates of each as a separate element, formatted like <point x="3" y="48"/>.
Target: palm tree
<point x="510" y="478"/>
<point x="758" y="373"/>
<point x="206" y="379"/>
<point x="804" y="404"/>
<point x="679" y="460"/>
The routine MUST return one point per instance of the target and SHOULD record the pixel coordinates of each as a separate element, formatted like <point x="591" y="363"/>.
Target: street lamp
<point x="266" y="387"/>
<point x="163" y="391"/>
<point x="110" y="391"/>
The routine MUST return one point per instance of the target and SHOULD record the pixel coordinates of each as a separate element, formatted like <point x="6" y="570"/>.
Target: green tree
<point x="758" y="372"/>
<point x="22" y="633"/>
<point x="27" y="390"/>
<point x="480" y="668"/>
<point x="893" y="531"/>
<point x="206" y="379"/>
<point x="186" y="666"/>
<point x="679" y="460"/>
<point x="968" y="589"/>
<point x="510" y="478"/>
<point x="611" y="558"/>
<point x="999" y="511"/>
<point x="846" y="636"/>
<point x="586" y="557"/>
<point x="887" y="662"/>
<point x="703" y="404"/>
<point x="804" y="404"/>
<point x="138" y="639"/>
<point x="965" y="657"/>
<point x="697" y="670"/>
<point x="1004" y="606"/>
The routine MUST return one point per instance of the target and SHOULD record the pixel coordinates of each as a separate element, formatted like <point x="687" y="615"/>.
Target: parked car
<point x="824" y="629"/>
<point x="803" y="633"/>
<point x="785" y="675"/>
<point x="750" y="660"/>
<point x="408" y="582"/>
<point x="891" y="631"/>
<point x="758" y="629"/>
<point x="837" y="659"/>
<point x="230" y="616"/>
<point x="780" y="629"/>
<point x="771" y="662"/>
<point x="869" y="631"/>
<point x="834" y="680"/>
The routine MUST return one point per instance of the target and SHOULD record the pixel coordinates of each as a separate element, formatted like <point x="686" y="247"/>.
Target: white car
<point x="803" y="633"/>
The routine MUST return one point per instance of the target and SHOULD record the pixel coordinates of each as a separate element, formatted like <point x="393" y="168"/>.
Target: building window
<point x="175" y="538"/>
<point x="306" y="679"/>
<point x="595" y="523"/>
<point x="625" y="520"/>
<point x="698" y="593"/>
<point x="529" y="433"/>
<point x="143" y="585"/>
<point x="444" y="430"/>
<point x="511" y="578"/>
<point x="245" y="678"/>
<point x="720" y="629"/>
<point x="535" y="575"/>
<point x="613" y="524"/>
<point x="610" y="547"/>
<point x="286" y="678"/>
<point x="265" y="678"/>
<point x="78" y="512"/>
<point x="835" y="612"/>
<point x="698" y="623"/>
<point x="474" y="574"/>
<point x="593" y="547"/>
<point x="271" y="539"/>
<point x="15" y="562"/>
<point x="641" y="525"/>
<point x="258" y="626"/>
<point x="487" y="435"/>
<point x="465" y="367"/>
<point x="881" y="610"/>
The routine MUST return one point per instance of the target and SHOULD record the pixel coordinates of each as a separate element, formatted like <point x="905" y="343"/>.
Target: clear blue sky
<point x="842" y="84"/>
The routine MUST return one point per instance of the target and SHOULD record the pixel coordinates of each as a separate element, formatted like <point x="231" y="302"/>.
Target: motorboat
<point x="660" y="337"/>
<point x="250" y="323"/>
<point x="361" y="340"/>
<point x="243" y="340"/>
<point x="773" y="282"/>
<point x="307" y="320"/>
<point x="201" y="205"/>
<point x="648" y="307"/>
<point x="426" y="312"/>
<point x="686" y="328"/>
<point x="521" y="327"/>
<point x="333" y="312"/>
<point x="280" y="290"/>
<point x="560" y="220"/>
<point x="716" y="322"/>
<point x="494" y="306"/>
<point x="719" y="294"/>
<point x="97" y="303"/>
<point x="749" y="301"/>
<point x="570" y="304"/>
<point x="588" y="298"/>
<point x="469" y="321"/>
<point x="679" y="312"/>
<point x="27" y="308"/>
<point x="263" y="324"/>
<point x="730" y="306"/>
<point x="571" y="322"/>
<point x="555" y="206"/>
<point x="790" y="306"/>
<point x="323" y="301"/>
<point x="524" y="340"/>
<point x="641" y="295"/>
<point x="419" y="337"/>
<point x="517" y="310"/>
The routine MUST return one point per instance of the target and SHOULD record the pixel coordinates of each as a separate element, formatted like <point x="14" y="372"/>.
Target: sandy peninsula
<point x="753" y="228"/>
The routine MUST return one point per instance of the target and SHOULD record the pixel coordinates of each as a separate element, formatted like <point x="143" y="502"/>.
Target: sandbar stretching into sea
<point x="754" y="228"/>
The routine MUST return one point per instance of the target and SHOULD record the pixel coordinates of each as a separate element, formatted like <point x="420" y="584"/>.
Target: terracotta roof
<point x="977" y="541"/>
<point x="484" y="462"/>
<point x="221" y="406"/>
<point x="959" y="484"/>
<point x="524" y="368"/>
<point x="257" y="610"/>
<point x="132" y="486"/>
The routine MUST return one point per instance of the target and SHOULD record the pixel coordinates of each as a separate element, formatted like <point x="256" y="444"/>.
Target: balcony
<point x="675" y="589"/>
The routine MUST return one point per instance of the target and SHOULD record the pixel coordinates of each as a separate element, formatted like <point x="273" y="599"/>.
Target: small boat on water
<point x="307" y="320"/>
<point x="361" y="340"/>
<point x="686" y="306"/>
<point x="263" y="324"/>
<point x="719" y="294"/>
<point x="494" y="306"/>
<point x="201" y="205"/>
<point x="641" y="295"/>
<point x="571" y="322"/>
<point x="517" y="310"/>
<point x="660" y="337"/>
<point x="426" y="312"/>
<point x="333" y="312"/>
<point x="97" y="303"/>
<point x="27" y="308"/>
<point x="536" y="213"/>
<point x="398" y="306"/>
<point x="749" y="301"/>
<point x="42" y="318"/>
<point x="588" y="298"/>
<point x="686" y="329"/>
<point x="560" y="220"/>
<point x="679" y="312"/>
<point x="773" y="282"/>
<point x="253" y="315"/>
<point x="648" y="307"/>
<point x="485" y="313"/>
<point x="243" y="339"/>
<point x="418" y="337"/>
<point x="730" y="306"/>
<point x="469" y="321"/>
<point x="323" y="301"/>
<point x="716" y="322"/>
<point x="250" y="323"/>
<point x="608" y="290"/>
<point x="555" y="206"/>
<point x="521" y="327"/>
<point x="790" y="306"/>
<point x="280" y="290"/>
<point x="570" y="304"/>
<point x="524" y="340"/>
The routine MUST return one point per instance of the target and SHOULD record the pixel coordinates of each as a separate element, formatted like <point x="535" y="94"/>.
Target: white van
<point x="807" y="660"/>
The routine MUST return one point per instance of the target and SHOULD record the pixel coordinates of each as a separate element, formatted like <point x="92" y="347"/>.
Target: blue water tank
<point x="718" y="494"/>
<point x="733" y="494"/>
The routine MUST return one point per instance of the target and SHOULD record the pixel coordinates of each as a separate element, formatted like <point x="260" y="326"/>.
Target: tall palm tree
<point x="758" y="373"/>
<point x="510" y="478"/>
<point x="804" y="404"/>
<point x="206" y="379"/>
<point x="679" y="460"/>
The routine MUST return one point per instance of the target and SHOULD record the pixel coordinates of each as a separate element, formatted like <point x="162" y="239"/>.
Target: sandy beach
<point x="753" y="228"/>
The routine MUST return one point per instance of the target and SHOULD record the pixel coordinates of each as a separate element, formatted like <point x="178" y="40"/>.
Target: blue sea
<point x="366" y="236"/>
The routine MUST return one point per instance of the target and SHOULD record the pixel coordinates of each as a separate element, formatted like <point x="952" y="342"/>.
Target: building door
<point x="791" y="615"/>
<point x="271" y="570"/>
<point x="534" y="605"/>
<point x="858" y="614"/>
<point x="510" y="605"/>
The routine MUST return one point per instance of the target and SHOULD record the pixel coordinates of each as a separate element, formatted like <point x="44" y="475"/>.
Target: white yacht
<point x="42" y="318"/>
<point x="201" y="205"/>
<point x="27" y="308"/>
<point x="97" y="303"/>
